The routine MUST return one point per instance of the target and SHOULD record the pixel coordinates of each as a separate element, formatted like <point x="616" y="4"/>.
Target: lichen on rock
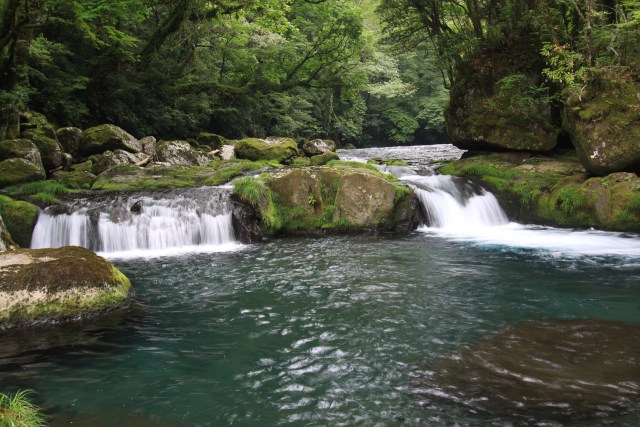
<point x="52" y="285"/>
<point x="179" y="153"/>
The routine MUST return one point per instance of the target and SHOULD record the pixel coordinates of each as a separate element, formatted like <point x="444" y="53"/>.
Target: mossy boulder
<point x="316" y="147"/>
<point x="32" y="121"/>
<point x="556" y="190"/>
<point x="180" y="153"/>
<point x="70" y="138"/>
<point x="80" y="176"/>
<point x="6" y="243"/>
<point x="19" y="218"/>
<point x="17" y="171"/>
<point x="97" y="140"/>
<point x="211" y="140"/>
<point x="323" y="159"/>
<point x="20" y="162"/>
<point x="50" y="150"/>
<point x="603" y="119"/>
<point x="319" y="200"/>
<point x="495" y="101"/>
<point x="46" y="286"/>
<point x="279" y="149"/>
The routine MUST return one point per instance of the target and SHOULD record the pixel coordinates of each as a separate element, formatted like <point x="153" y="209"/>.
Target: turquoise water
<point x="334" y="331"/>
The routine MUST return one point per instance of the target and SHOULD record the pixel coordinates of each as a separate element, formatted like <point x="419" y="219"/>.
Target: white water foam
<point x="140" y="227"/>
<point x="475" y="216"/>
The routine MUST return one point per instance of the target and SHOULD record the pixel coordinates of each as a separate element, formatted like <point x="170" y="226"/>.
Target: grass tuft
<point x="17" y="411"/>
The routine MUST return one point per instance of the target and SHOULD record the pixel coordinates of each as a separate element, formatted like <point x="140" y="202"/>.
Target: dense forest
<point x="238" y="68"/>
<point x="365" y="72"/>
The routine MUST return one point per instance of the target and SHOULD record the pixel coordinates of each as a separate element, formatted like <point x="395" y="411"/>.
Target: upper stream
<point x="470" y="321"/>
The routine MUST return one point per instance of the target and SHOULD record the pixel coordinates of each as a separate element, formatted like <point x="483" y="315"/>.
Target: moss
<point x="323" y="159"/>
<point x="16" y="171"/>
<point x="371" y="169"/>
<point x="19" y="218"/>
<point x="388" y="162"/>
<point x="44" y="192"/>
<point x="278" y="149"/>
<point x="65" y="283"/>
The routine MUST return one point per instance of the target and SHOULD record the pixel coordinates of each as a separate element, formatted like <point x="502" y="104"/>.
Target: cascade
<point x="149" y="221"/>
<point x="453" y="203"/>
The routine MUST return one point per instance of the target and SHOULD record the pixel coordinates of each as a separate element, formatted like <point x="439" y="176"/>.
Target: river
<point x="504" y="324"/>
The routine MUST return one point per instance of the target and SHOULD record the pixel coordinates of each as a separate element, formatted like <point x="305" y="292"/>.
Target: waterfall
<point x="150" y="222"/>
<point x="454" y="204"/>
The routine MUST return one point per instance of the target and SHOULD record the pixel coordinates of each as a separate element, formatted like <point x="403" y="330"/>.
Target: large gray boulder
<point x="316" y="147"/>
<point x="180" y="153"/>
<point x="45" y="286"/>
<point x="109" y="159"/>
<point x="103" y="138"/>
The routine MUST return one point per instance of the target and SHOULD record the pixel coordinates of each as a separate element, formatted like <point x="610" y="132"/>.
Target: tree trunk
<point x="327" y="110"/>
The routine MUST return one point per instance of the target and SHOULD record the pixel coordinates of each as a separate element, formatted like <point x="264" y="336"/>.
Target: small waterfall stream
<point x="141" y="223"/>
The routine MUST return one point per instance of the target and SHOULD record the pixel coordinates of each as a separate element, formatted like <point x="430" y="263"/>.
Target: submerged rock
<point x="52" y="285"/>
<point x="550" y="370"/>
<point x="97" y="140"/>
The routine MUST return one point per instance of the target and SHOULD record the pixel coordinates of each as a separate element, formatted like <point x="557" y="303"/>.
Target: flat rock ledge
<point x="45" y="286"/>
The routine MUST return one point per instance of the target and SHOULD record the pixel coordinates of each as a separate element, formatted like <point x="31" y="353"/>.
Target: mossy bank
<point x="555" y="189"/>
<point x="46" y="286"/>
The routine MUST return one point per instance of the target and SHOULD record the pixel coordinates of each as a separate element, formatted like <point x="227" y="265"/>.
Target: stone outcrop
<point x="46" y="286"/>
<point x="492" y="106"/>
<point x="179" y="153"/>
<point x="211" y="140"/>
<point x="19" y="218"/>
<point x="148" y="144"/>
<point x="319" y="200"/>
<point x="278" y="149"/>
<point x="20" y="162"/>
<point x="97" y="140"/>
<point x="603" y="120"/>
<point x="316" y="147"/>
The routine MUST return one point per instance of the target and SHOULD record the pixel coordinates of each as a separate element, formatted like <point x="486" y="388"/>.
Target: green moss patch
<point x="19" y="218"/>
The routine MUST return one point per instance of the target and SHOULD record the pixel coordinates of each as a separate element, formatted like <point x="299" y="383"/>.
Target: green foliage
<point x="41" y="191"/>
<point x="17" y="411"/>
<point x="484" y="171"/>
<point x="258" y="194"/>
